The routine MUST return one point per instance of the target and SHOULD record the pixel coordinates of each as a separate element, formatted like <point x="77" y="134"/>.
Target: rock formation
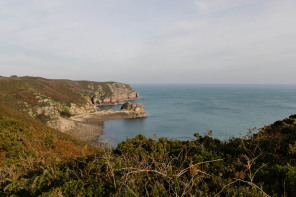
<point x="117" y="93"/>
<point x="136" y="110"/>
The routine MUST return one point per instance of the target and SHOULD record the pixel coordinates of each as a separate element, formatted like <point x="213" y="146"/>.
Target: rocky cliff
<point x="114" y="94"/>
<point x="54" y="101"/>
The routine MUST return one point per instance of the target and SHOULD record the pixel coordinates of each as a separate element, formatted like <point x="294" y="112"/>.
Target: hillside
<point x="28" y="145"/>
<point x="260" y="164"/>
<point x="53" y="101"/>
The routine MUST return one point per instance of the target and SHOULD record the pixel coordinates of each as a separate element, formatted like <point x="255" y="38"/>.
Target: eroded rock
<point x="118" y="93"/>
<point x="136" y="110"/>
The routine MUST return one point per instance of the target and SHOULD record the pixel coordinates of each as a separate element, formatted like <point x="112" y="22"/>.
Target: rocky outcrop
<point x="136" y="110"/>
<point x="55" y="114"/>
<point x="114" y="94"/>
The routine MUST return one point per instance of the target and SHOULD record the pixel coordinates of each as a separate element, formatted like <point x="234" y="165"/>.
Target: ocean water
<point x="176" y="111"/>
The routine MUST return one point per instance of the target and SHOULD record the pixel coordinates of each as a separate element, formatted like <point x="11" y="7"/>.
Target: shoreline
<point x="88" y="127"/>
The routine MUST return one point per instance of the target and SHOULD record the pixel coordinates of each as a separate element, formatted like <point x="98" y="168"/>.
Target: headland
<point x="72" y="107"/>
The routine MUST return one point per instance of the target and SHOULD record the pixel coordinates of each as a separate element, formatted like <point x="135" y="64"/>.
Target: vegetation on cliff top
<point x="14" y="91"/>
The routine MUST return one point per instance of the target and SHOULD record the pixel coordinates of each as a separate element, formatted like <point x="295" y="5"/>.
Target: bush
<point x="256" y="165"/>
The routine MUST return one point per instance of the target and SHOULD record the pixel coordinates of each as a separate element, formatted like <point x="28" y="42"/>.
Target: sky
<point x="150" y="41"/>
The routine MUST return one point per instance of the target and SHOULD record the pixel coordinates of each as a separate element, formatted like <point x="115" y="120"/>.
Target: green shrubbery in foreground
<point x="260" y="164"/>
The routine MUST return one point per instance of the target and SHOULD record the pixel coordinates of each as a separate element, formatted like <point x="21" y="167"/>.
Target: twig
<point x="225" y="187"/>
<point x="253" y="184"/>
<point x="139" y="170"/>
<point x="186" y="169"/>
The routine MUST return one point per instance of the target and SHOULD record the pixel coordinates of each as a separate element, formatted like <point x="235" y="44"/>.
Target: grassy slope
<point x="27" y="144"/>
<point x="15" y="89"/>
<point x="24" y="88"/>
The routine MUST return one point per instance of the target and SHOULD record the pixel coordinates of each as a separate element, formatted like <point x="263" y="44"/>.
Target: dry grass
<point x="26" y="143"/>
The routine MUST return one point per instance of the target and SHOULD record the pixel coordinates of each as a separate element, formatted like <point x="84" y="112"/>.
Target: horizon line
<point x="155" y="83"/>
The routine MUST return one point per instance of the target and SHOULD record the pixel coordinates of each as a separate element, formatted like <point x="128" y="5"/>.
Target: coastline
<point x="88" y="127"/>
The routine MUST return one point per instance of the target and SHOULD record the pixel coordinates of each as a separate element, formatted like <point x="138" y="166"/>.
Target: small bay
<point x="176" y="111"/>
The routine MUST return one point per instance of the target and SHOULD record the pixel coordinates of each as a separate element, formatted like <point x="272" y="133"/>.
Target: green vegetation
<point x="65" y="113"/>
<point x="27" y="145"/>
<point x="28" y="88"/>
<point x="259" y="164"/>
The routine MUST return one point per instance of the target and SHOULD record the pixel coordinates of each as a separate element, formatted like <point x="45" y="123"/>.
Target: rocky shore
<point x="88" y="127"/>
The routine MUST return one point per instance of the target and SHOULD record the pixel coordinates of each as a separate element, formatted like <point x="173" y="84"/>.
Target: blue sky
<point x="150" y="41"/>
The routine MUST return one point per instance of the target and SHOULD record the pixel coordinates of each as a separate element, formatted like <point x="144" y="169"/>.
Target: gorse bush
<point x="28" y="146"/>
<point x="260" y="164"/>
<point x="256" y="165"/>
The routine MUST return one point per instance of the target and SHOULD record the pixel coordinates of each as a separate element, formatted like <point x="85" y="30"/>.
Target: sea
<point x="179" y="111"/>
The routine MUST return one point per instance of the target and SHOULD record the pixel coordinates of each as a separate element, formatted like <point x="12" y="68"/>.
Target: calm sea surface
<point x="182" y="110"/>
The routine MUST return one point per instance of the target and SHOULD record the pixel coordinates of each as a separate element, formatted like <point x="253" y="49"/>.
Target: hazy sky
<point x="150" y="41"/>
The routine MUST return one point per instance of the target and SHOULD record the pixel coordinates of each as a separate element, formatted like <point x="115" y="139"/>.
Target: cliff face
<point x="111" y="93"/>
<point x="53" y="101"/>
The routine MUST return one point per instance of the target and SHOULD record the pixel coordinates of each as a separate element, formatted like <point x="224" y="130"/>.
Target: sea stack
<point x="135" y="110"/>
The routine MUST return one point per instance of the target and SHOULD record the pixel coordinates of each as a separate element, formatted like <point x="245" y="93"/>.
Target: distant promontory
<point x="58" y="102"/>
